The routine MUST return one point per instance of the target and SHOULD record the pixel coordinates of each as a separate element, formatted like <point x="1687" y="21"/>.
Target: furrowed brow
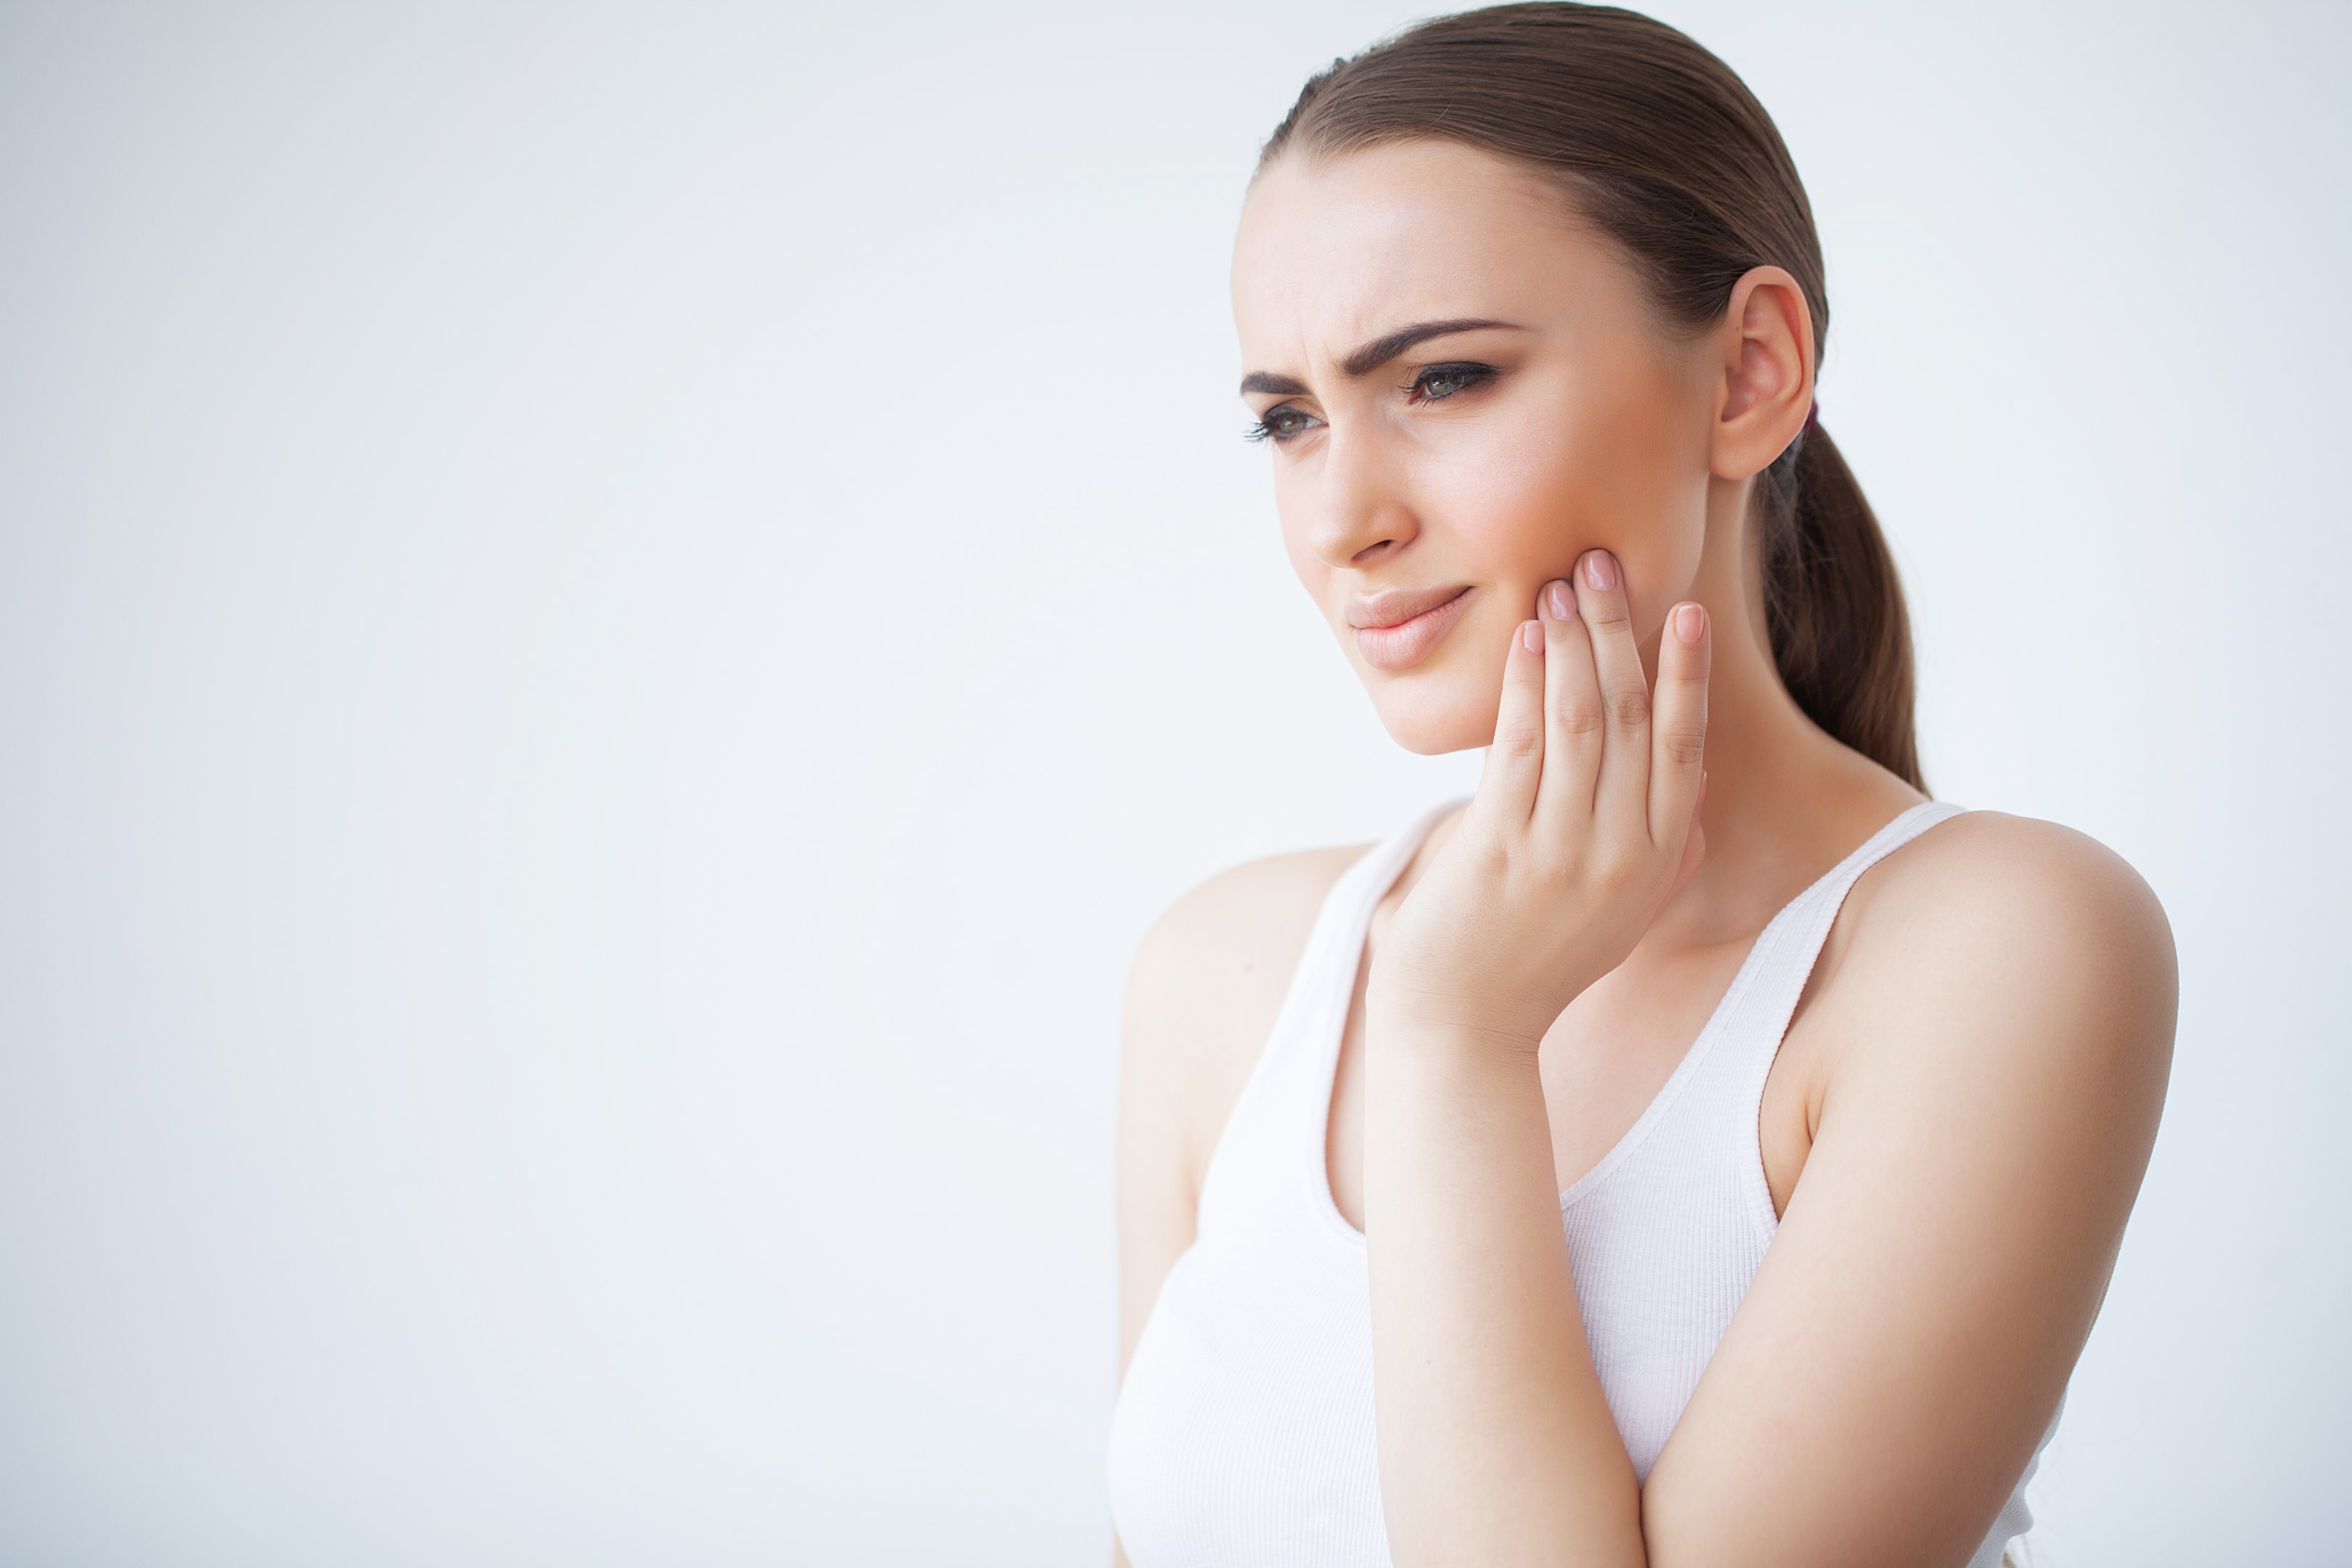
<point x="1278" y="385"/>
<point x="1379" y="350"/>
<point x="1371" y="356"/>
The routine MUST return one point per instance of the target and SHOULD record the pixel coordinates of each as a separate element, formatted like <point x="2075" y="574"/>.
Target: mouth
<point x="1397" y="629"/>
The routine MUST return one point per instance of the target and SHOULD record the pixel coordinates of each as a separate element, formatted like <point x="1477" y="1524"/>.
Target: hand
<point x="1585" y="823"/>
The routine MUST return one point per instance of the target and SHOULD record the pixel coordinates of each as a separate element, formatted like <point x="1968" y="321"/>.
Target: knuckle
<point x="1629" y="709"/>
<point x="1520" y="739"/>
<point x="1684" y="748"/>
<point x="1616" y="874"/>
<point x="1582" y="715"/>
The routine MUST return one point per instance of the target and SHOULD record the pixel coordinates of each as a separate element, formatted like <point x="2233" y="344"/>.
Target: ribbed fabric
<point x="1243" y="1431"/>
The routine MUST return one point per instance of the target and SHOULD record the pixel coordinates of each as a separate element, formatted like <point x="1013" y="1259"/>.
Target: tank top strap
<point x="1317" y="1006"/>
<point x="1782" y="964"/>
<point x="1314" y="1008"/>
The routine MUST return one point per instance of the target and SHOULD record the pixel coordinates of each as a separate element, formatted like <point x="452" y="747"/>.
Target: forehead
<point x="1333" y="253"/>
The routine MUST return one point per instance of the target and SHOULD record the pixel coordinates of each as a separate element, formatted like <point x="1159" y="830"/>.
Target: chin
<point x="1431" y="714"/>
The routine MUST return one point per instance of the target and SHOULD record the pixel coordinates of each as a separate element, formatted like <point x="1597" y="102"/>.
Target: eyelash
<point x="1264" y="429"/>
<point x="1467" y="373"/>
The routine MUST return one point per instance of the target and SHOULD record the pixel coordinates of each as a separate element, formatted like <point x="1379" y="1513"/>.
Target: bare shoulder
<point x="1205" y="985"/>
<point x="1209" y="974"/>
<point x="2014" y="930"/>
<point x="1984" y="877"/>
<point x="1991" y="1045"/>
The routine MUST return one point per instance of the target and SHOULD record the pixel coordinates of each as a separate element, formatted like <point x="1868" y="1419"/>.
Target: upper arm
<point x="2007" y="1003"/>
<point x="1202" y="995"/>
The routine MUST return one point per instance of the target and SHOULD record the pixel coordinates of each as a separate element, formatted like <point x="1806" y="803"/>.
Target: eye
<point x="1280" y="423"/>
<point x="1443" y="381"/>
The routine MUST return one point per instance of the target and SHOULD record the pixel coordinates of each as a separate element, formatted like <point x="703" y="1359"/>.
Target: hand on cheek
<point x="1584" y="823"/>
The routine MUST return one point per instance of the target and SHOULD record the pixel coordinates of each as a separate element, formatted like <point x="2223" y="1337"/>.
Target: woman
<point x="1701" y="1148"/>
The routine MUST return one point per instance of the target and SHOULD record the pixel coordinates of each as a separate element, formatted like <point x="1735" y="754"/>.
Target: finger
<point x="1507" y="786"/>
<point x="1678" y="723"/>
<point x="1694" y="844"/>
<point x="1694" y="857"/>
<point x="1573" y="712"/>
<point x="1620" y="798"/>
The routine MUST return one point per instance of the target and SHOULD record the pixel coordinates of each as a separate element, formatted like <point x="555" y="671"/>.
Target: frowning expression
<point x="1464" y="389"/>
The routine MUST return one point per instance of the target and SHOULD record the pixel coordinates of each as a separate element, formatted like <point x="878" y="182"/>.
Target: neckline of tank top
<point x="1399" y="855"/>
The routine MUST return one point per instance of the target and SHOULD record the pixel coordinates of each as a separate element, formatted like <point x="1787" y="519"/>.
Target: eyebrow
<point x="1371" y="356"/>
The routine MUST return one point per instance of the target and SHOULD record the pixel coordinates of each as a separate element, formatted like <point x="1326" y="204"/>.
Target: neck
<point x="1784" y="801"/>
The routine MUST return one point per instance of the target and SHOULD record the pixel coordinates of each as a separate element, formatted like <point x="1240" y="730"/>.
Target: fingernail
<point x="1561" y="601"/>
<point x="1531" y="636"/>
<point x="1600" y="570"/>
<point x="1690" y="623"/>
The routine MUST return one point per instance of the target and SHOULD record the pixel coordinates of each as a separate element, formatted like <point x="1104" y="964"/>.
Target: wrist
<point x="1400" y="1018"/>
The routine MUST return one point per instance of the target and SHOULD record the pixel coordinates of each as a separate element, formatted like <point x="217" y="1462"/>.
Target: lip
<point x="1397" y="627"/>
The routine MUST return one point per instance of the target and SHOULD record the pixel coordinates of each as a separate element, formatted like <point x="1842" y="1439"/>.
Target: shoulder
<point x="2024" y="938"/>
<point x="1237" y="925"/>
<point x="1999" y="1020"/>
<point x="1207" y="981"/>
<point x="1213" y="968"/>
<point x="1983" y="881"/>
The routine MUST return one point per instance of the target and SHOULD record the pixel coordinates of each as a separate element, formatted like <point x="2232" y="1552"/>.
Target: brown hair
<point x="1663" y="149"/>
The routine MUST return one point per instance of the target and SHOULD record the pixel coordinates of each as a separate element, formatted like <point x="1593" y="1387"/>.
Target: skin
<point x="1961" y="1113"/>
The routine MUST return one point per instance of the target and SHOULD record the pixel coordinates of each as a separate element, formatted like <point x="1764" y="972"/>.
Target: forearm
<point x="1496" y="1445"/>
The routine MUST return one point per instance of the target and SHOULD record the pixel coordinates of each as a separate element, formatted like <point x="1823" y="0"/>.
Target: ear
<point x="1767" y="343"/>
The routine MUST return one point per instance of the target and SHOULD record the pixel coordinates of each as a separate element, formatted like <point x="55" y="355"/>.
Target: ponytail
<point x="1662" y="147"/>
<point x="1833" y="607"/>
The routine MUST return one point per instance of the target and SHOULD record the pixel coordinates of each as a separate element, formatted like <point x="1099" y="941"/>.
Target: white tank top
<point x="1243" y="1431"/>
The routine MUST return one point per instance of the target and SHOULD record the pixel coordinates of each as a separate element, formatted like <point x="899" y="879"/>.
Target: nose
<point x="1362" y="515"/>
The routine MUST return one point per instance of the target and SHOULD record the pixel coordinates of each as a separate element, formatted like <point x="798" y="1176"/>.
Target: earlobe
<point x="1767" y="373"/>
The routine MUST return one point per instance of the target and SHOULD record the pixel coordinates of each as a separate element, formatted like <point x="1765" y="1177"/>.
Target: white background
<point x="612" y="620"/>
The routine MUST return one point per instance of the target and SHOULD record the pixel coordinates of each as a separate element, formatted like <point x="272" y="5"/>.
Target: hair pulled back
<point x="1663" y="148"/>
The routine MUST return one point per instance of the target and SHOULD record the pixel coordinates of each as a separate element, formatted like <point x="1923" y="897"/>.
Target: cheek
<point x="1522" y="495"/>
<point x="1536" y="490"/>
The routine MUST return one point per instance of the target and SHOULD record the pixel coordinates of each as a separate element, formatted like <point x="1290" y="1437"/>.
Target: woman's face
<point x="1464" y="390"/>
